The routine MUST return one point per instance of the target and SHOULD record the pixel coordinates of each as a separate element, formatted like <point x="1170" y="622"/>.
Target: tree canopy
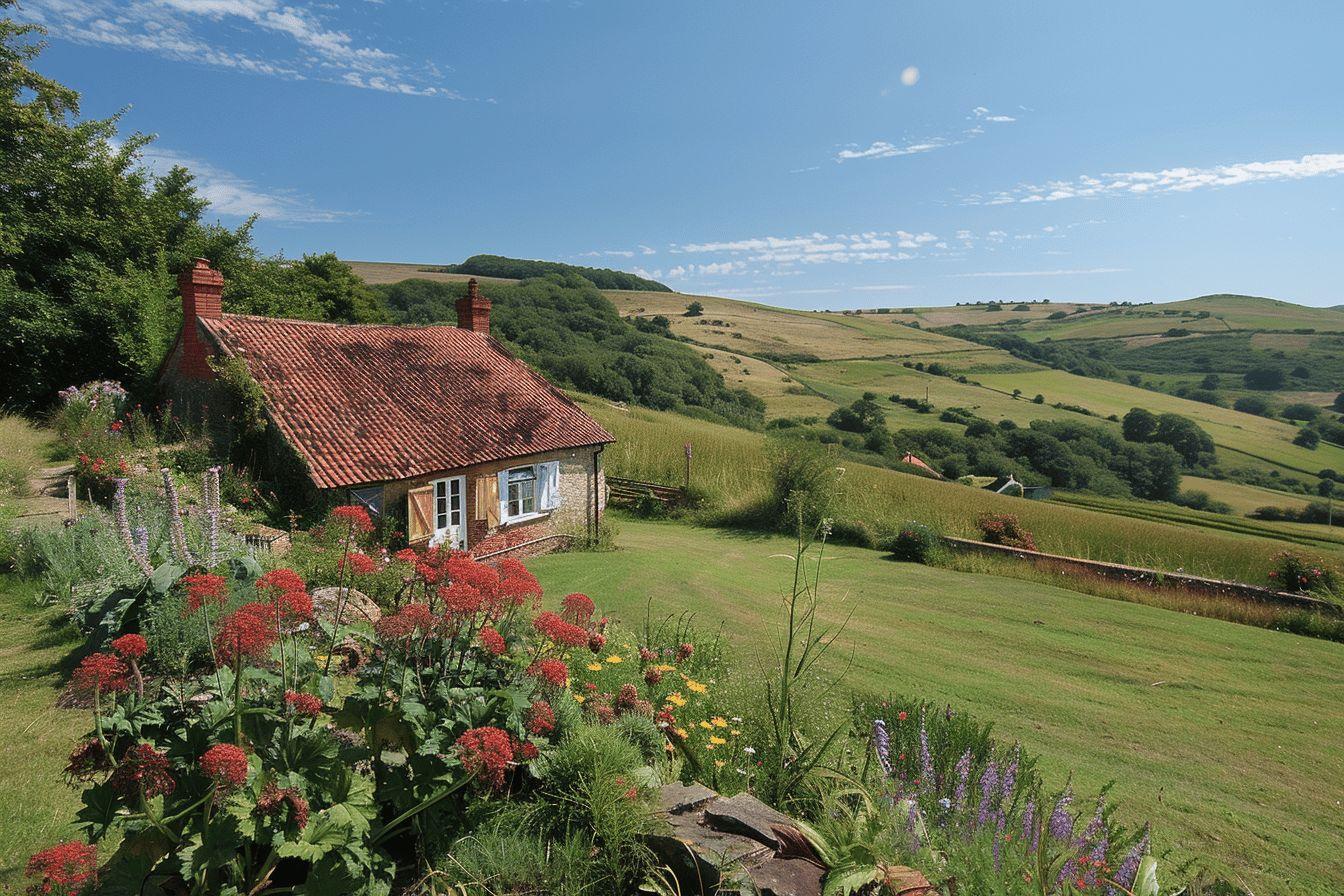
<point x="523" y="269"/>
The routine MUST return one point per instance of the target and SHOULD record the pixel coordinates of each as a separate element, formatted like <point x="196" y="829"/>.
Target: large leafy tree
<point x="90" y="241"/>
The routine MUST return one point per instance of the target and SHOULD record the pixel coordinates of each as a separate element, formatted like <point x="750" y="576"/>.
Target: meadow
<point x="1223" y="313"/>
<point x="731" y="466"/>
<point x="1212" y="731"/>
<point x="1244" y="498"/>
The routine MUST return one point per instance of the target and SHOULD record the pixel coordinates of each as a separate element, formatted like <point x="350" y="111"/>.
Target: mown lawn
<point x="35" y="736"/>
<point x="1228" y="738"/>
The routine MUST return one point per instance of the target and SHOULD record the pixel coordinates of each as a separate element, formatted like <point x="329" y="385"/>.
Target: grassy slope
<point x="375" y="272"/>
<point x="1244" y="498"/>
<point x="731" y="464"/>
<point x="1227" y="312"/>
<point x="1221" y="735"/>
<point x="35" y="736"/>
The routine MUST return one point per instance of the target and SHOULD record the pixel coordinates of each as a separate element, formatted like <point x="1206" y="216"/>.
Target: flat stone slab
<point x="676" y="798"/>
<point x="744" y="814"/>
<point x="776" y="876"/>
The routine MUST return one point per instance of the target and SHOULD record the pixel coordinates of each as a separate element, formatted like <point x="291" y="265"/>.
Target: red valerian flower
<point x="205" y="588"/>
<point x="596" y="642"/>
<point x="577" y="607"/>
<point x="492" y="641"/>
<point x="486" y="752"/>
<point x="273" y="799"/>
<point x="516" y="586"/>
<point x="143" y="767"/>
<point x="646" y="655"/>
<point x="88" y="760"/>
<point x="130" y="647"/>
<point x="529" y="751"/>
<point x="684" y="652"/>
<point x="552" y="672"/>
<point x="359" y="564"/>
<point x="565" y="634"/>
<point x="309" y="705"/>
<point x="353" y="516"/>
<point x="407" y="555"/>
<point x="225" y="765"/>
<point x="627" y="697"/>
<point x="102" y="672"/>
<point x="540" y="719"/>
<point x="410" y="620"/>
<point x="653" y="675"/>
<point x="461" y="599"/>
<point x="64" y="869"/>
<point x="287" y="594"/>
<point x="281" y="581"/>
<point x="246" y="635"/>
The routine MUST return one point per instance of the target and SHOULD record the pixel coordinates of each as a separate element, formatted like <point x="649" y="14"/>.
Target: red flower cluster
<point x="653" y="675"/>
<point x="540" y="719"/>
<point x="205" y="588"/>
<point x="410" y="620"/>
<point x="246" y="635"/>
<point x="559" y="631"/>
<point x="552" y="672"/>
<point x="130" y="647"/>
<point x="492" y="641"/>
<point x="309" y="705"/>
<point x="101" y="672"/>
<point x="359" y="564"/>
<point x="486" y="752"/>
<point x="88" y="760"/>
<point x="143" y="767"/>
<point x="577" y="608"/>
<point x="596" y="642"/>
<point x="273" y="799"/>
<point x="461" y="600"/>
<point x="353" y="516"/>
<point x="529" y="751"/>
<point x="517" y="586"/>
<point x="288" y="595"/>
<point x="684" y="652"/>
<point x="225" y="765"/>
<point x="63" y="869"/>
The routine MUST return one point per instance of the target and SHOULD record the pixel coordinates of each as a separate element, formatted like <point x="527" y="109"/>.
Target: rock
<point x="778" y="876"/>
<point x="905" y="881"/>
<point x="744" y="814"/>
<point x="359" y="607"/>
<point x="681" y="797"/>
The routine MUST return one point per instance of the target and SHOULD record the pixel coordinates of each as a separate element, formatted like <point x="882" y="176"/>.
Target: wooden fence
<point x="627" y="492"/>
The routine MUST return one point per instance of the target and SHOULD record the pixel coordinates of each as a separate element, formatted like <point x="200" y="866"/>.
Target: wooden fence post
<point x="71" y="498"/>
<point x="688" y="465"/>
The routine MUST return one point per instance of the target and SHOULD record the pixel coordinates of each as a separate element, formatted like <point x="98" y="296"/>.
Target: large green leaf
<point x="1145" y="882"/>
<point x="165" y="577"/>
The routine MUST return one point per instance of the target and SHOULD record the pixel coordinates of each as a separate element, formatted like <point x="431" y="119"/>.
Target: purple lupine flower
<point x="1095" y="825"/>
<point x="989" y="785"/>
<point x="178" y="535"/>
<point x="998" y="842"/>
<point x="1096" y="859"/>
<point x="882" y="745"/>
<point x="1030" y="832"/>
<point x="925" y="759"/>
<point x="963" y="778"/>
<point x="1061" y="822"/>
<point x="124" y="529"/>
<point x="1010" y="778"/>
<point x="1129" y="868"/>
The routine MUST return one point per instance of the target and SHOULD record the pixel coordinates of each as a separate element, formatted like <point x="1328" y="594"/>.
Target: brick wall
<point x="573" y="516"/>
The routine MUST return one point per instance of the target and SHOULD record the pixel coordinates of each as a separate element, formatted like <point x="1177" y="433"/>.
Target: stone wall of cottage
<point x="574" y="516"/>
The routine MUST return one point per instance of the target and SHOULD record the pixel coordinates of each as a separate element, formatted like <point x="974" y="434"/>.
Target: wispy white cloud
<point x="1051" y="273"/>
<point x="1169" y="180"/>
<point x="885" y="149"/>
<point x="175" y="29"/>
<point x="817" y="248"/>
<point x="882" y="287"/>
<point x="234" y="196"/>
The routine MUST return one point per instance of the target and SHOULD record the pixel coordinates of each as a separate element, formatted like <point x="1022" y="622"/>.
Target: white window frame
<point x="545" y="492"/>
<point x="450" y="522"/>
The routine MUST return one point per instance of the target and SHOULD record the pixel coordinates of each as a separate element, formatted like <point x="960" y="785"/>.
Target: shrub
<point x="852" y="532"/>
<point x="1307" y="438"/>
<point x="1004" y="529"/>
<point x="1302" y="575"/>
<point x="1200" y="500"/>
<point x="1301" y="411"/>
<point x="1254" y="404"/>
<point x="916" y="542"/>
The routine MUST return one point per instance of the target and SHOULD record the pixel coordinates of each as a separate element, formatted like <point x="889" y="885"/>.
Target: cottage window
<point x="530" y="491"/>
<point x="370" y="497"/>
<point x="522" y="495"/>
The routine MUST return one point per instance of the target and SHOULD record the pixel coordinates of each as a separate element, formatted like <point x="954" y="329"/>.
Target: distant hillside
<point x="522" y="269"/>
<point x="571" y="332"/>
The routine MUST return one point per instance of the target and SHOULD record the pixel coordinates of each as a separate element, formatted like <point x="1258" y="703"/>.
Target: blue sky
<point x="837" y="154"/>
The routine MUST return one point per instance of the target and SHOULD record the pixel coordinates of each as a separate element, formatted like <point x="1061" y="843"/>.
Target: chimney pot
<point x="473" y="310"/>
<point x="201" y="287"/>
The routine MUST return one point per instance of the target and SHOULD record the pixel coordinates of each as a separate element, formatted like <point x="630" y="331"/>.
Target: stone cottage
<point x="437" y="426"/>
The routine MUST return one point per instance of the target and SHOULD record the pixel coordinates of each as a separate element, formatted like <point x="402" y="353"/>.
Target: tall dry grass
<point x="23" y="449"/>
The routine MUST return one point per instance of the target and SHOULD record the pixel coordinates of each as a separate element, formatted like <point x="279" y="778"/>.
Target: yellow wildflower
<point x="594" y="667"/>
<point x="615" y="658"/>
<point x="696" y="687"/>
<point x="717" y="741"/>
<point x="664" y="667"/>
<point x="735" y="733"/>
<point x="578" y="698"/>
<point x="719" y="722"/>
<point x="676" y="699"/>
<point x="719" y="763"/>
<point x="706" y="726"/>
<point x="682" y="733"/>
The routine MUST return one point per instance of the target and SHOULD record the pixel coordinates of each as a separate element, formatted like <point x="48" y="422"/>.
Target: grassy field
<point x="1221" y="735"/>
<point x="1225" y="312"/>
<point x="1243" y="498"/>
<point x="375" y="272"/>
<point x="731" y="464"/>
<point x="35" y="736"/>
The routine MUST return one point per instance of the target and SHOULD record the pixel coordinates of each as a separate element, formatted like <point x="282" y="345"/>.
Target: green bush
<point x="852" y="532"/>
<point x="916" y="542"/>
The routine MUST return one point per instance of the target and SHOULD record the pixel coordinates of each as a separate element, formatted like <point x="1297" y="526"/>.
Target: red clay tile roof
<point x="373" y="403"/>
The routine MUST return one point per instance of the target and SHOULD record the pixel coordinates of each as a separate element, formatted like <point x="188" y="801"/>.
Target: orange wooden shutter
<point x="420" y="513"/>
<point x="487" y="500"/>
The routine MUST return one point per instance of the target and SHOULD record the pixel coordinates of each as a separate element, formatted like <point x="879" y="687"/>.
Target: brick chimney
<point x="473" y="310"/>
<point x="201" y="287"/>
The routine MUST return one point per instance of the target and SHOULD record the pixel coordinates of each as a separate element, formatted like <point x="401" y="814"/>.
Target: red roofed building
<point x="439" y="426"/>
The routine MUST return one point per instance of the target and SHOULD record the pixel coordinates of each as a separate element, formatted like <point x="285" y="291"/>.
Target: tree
<point x="1139" y="425"/>
<point x="1184" y="435"/>
<point x="1307" y="438"/>
<point x="1254" y="404"/>
<point x="1301" y="411"/>
<point x="695" y="309"/>
<point x="1211" y="382"/>
<point x="1265" y="377"/>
